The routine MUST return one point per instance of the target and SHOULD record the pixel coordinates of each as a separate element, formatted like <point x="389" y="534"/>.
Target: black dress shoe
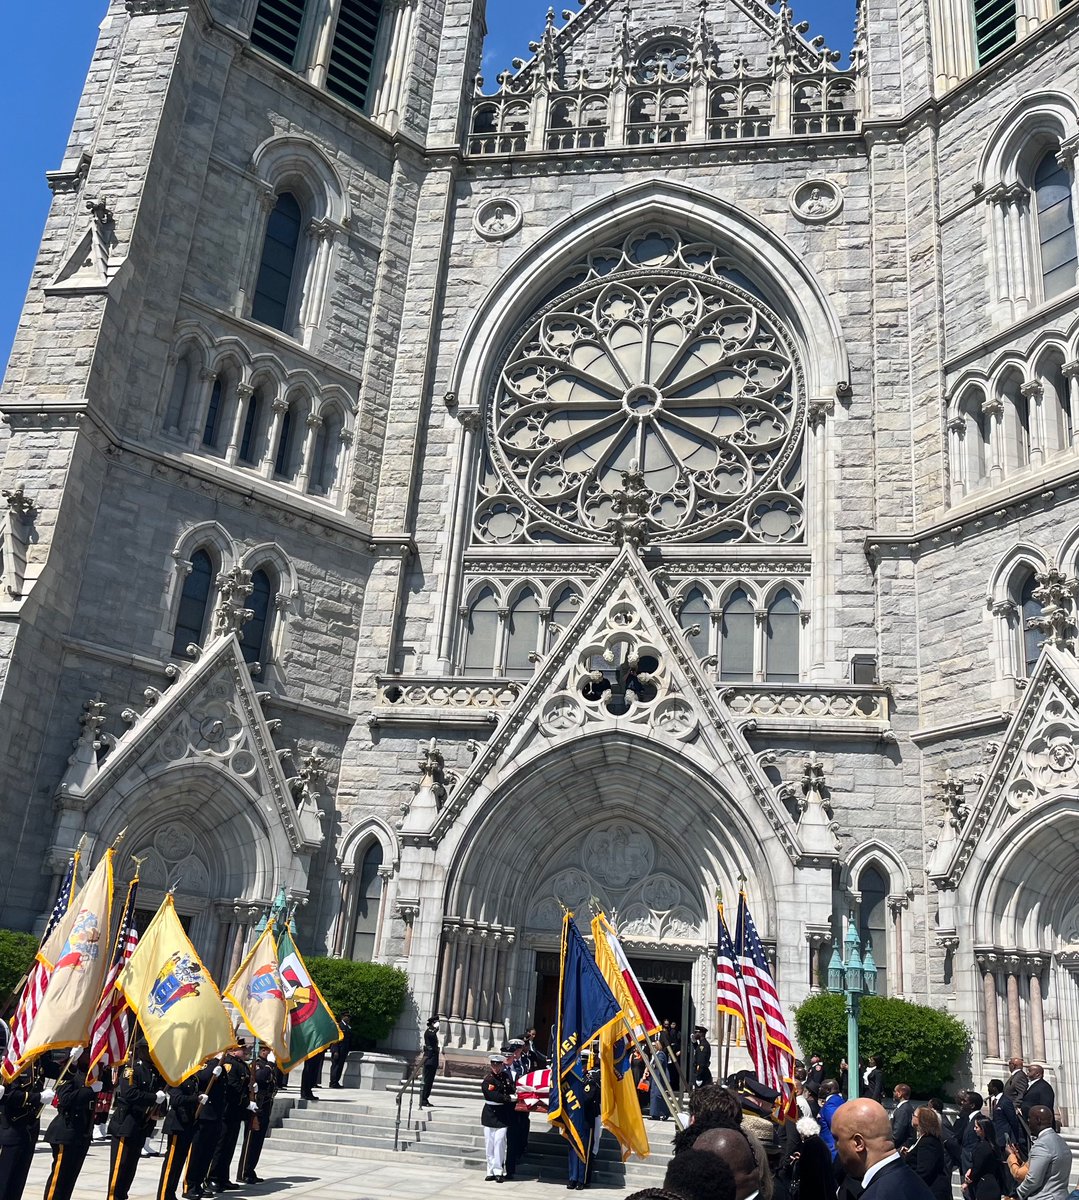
<point x="227" y="1187"/>
<point x="251" y="1179"/>
<point x="193" y="1194"/>
<point x="488" y="1179"/>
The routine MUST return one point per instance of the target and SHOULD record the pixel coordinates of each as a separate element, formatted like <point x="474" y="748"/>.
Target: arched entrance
<point x="639" y="828"/>
<point x="1026" y="914"/>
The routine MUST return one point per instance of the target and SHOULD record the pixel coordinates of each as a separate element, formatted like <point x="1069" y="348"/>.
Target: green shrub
<point x="17" y="952"/>
<point x="373" y="994"/>
<point x="918" y="1045"/>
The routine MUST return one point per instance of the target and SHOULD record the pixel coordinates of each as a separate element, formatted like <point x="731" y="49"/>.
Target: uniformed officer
<point x="20" y="1121"/>
<point x="498" y="1102"/>
<point x="258" y="1121"/>
<point x="701" y="1057"/>
<point x="517" y="1131"/>
<point x="208" y="1112"/>
<point x="235" y="1084"/>
<point x="72" y="1129"/>
<point x="139" y="1100"/>
<point x="179" y="1128"/>
<point x="580" y="1171"/>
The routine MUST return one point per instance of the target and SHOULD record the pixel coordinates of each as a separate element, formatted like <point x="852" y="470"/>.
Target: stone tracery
<point x="654" y="357"/>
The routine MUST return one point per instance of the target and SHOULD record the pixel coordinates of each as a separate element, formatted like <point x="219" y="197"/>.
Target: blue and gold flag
<point x="586" y="1007"/>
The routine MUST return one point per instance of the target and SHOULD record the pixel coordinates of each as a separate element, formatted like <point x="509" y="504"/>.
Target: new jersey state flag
<point x="175" y="1000"/>
<point x="259" y="995"/>
<point x="79" y="964"/>
<point x="312" y="1025"/>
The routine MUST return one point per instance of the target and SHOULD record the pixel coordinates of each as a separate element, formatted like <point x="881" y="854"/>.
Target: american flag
<point x="37" y="981"/>
<point x="108" y="1035"/>
<point x="774" y="1057"/>
<point x="730" y="989"/>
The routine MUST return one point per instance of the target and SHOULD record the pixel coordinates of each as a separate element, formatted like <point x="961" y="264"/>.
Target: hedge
<point x="17" y="952"/>
<point x="918" y="1045"/>
<point x="372" y="994"/>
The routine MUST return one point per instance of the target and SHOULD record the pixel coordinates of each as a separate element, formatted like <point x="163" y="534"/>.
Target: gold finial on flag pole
<point x="120" y="837"/>
<point x="138" y="864"/>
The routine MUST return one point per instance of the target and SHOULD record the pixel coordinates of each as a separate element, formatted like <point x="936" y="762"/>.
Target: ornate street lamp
<point x="852" y="977"/>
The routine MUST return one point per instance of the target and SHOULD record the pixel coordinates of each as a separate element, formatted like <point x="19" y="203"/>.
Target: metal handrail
<point x="407" y="1085"/>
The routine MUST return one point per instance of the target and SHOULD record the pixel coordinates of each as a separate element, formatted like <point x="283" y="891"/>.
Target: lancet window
<point x="194" y="609"/>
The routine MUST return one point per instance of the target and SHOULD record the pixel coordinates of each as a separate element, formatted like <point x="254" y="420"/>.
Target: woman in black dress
<point x="927" y="1155"/>
<point x="986" y="1173"/>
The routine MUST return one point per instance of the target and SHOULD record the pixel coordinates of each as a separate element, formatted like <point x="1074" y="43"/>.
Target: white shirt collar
<point x="867" y="1177"/>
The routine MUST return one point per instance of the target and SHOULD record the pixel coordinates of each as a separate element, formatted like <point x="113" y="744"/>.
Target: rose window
<point x="668" y="367"/>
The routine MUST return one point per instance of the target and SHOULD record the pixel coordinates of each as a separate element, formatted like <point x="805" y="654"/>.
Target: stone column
<point x="449" y="948"/>
<point x="314" y="424"/>
<point x="998" y="203"/>
<point x="1035" y="965"/>
<point x="321" y="236"/>
<point x="896" y="905"/>
<point x="988" y="963"/>
<point x="277" y="415"/>
<point x="1018" y="200"/>
<point x="817" y="936"/>
<point x="498" y="1008"/>
<point x="1071" y="374"/>
<point x="384" y="874"/>
<point x="390" y="62"/>
<point x="460" y="975"/>
<point x="1033" y="392"/>
<point x="487" y="1035"/>
<point x="1013" y="964"/>
<point x="334" y="494"/>
<point x="472" y="988"/>
<point x="820" y="413"/>
<point x="348" y="884"/>
<point x="244" y="392"/>
<point x="958" y="468"/>
<point x="207" y="379"/>
<point x="994" y="410"/>
<point x="1067" y="157"/>
<point x="265" y="200"/>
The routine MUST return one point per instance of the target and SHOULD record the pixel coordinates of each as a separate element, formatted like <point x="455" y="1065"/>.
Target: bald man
<point x="1045" y="1176"/>
<point x="747" y="1162"/>
<point x="863" y="1142"/>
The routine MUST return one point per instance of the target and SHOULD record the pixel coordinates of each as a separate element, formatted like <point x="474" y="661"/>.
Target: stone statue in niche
<point x="816" y="200"/>
<point x="497" y="219"/>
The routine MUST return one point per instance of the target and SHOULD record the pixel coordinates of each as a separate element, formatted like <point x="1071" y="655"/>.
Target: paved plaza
<point x="290" y="1174"/>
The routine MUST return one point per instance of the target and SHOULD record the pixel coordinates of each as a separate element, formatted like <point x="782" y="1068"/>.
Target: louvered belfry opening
<point x="277" y="28"/>
<point x="994" y="27"/>
<point x="353" y="51"/>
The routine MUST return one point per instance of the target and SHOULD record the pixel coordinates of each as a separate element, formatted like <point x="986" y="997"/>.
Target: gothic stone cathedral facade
<point x="450" y="499"/>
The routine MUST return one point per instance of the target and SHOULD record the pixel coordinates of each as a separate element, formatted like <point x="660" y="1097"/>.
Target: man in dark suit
<point x="1040" y="1091"/>
<point x="863" y="1139"/>
<point x="815" y="1072"/>
<point x="1017" y="1082"/>
<point x="902" y="1117"/>
<point x="340" y="1051"/>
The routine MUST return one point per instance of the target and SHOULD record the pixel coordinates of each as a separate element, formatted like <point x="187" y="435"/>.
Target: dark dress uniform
<point x="339" y="1053"/>
<point x="236" y="1090"/>
<point x="179" y="1128"/>
<point x="20" y="1122"/>
<point x="430" y="1064"/>
<point x="580" y="1171"/>
<point x="258" y="1123"/>
<point x="134" y="1113"/>
<point x="70" y="1133"/>
<point x="702" y="1060"/>
<point x="207" y="1127"/>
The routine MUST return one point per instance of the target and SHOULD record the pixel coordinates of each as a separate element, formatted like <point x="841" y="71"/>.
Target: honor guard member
<point x="498" y="1101"/>
<point x="208" y="1113"/>
<point x="179" y="1128"/>
<point x="260" y="1115"/>
<point x="340" y="1050"/>
<point x="581" y="1170"/>
<point x="430" y="1061"/>
<point x="137" y="1104"/>
<point x="701" y="1052"/>
<point x="20" y="1120"/>
<point x="236" y="1096"/>
<point x="72" y="1129"/>
<point x="517" y="1132"/>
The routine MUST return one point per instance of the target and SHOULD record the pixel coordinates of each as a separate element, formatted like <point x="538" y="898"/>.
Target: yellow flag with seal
<point x="79" y="964"/>
<point x="259" y="995"/>
<point x="174" y="998"/>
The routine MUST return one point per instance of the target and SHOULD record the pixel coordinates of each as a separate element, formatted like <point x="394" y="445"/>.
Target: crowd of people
<point x="739" y="1146"/>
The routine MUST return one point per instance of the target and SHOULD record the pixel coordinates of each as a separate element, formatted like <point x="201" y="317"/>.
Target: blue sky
<point x="43" y="60"/>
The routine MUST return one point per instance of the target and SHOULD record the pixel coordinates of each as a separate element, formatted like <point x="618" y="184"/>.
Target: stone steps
<point x="449" y="1135"/>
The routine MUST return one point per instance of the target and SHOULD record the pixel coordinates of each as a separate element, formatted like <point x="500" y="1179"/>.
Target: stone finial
<point x="83" y="763"/>
<point x="813" y="776"/>
<point x="234" y="587"/>
<point x="19" y="503"/>
<point x="951" y="795"/>
<point x="1056" y="594"/>
<point x="629" y="525"/>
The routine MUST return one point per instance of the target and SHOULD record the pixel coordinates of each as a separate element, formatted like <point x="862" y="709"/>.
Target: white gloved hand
<point x="204" y="1099"/>
<point x="2" y="1090"/>
<point x="161" y="1097"/>
<point x="252" y="1107"/>
<point x="217" y="1071"/>
<point x="74" y="1052"/>
<point x="96" y="1086"/>
<point x="271" y="1058"/>
<point x="47" y="1095"/>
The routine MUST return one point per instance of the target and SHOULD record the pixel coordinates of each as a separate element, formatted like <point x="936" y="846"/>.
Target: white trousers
<point x="495" y="1142"/>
